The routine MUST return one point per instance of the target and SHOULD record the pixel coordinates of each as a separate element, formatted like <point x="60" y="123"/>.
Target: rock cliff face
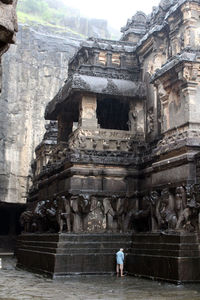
<point x="33" y="71"/>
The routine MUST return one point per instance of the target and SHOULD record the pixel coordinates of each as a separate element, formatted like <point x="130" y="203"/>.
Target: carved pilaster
<point x="88" y="108"/>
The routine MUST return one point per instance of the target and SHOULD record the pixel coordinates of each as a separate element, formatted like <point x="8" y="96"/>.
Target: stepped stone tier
<point x="121" y="154"/>
<point x="68" y="254"/>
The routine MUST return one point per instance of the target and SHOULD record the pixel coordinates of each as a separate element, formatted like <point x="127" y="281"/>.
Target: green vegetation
<point x="25" y="18"/>
<point x="44" y="11"/>
<point x="51" y="13"/>
<point x="56" y="15"/>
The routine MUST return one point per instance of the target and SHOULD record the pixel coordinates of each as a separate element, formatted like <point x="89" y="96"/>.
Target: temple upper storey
<point x="132" y="73"/>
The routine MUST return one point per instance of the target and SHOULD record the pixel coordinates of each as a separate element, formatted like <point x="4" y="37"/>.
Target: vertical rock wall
<point x="33" y="71"/>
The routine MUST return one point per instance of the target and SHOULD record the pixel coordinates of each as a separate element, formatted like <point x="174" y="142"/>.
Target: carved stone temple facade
<point x="119" y="163"/>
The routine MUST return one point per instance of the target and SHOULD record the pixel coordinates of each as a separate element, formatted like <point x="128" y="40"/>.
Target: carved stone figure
<point x="63" y="213"/>
<point x="84" y="209"/>
<point x="189" y="218"/>
<point x="150" y="121"/>
<point x="155" y="215"/>
<point x="80" y="208"/>
<point x="168" y="217"/>
<point x="77" y="225"/>
<point x="51" y="213"/>
<point x="109" y="214"/>
<point x="119" y="208"/>
<point x="94" y="221"/>
<point x="39" y="217"/>
<point x="130" y="210"/>
<point x="132" y="119"/>
<point x="26" y="220"/>
<point x="180" y="201"/>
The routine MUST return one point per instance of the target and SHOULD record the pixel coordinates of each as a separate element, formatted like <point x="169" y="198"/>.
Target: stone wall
<point x="33" y="71"/>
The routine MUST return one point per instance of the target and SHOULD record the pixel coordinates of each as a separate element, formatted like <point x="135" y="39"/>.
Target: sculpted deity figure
<point x="132" y="119"/>
<point x="155" y="215"/>
<point x="150" y="121"/>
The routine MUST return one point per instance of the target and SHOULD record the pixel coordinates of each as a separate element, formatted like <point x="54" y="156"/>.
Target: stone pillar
<point x="65" y="124"/>
<point x="123" y="61"/>
<point x="96" y="57"/>
<point x="88" y="107"/>
<point x="109" y="59"/>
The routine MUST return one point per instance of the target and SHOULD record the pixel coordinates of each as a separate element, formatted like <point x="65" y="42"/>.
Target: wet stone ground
<point x="22" y="285"/>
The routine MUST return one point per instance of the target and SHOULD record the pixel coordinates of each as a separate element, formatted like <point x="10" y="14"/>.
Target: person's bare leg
<point x="121" y="270"/>
<point x="117" y="269"/>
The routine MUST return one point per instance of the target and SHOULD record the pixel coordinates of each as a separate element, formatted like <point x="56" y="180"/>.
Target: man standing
<point x="120" y="262"/>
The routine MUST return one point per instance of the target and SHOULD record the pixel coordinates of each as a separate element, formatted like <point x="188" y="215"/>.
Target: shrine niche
<point x="119" y="162"/>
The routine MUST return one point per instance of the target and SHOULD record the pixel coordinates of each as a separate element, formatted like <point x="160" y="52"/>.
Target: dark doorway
<point x="112" y="114"/>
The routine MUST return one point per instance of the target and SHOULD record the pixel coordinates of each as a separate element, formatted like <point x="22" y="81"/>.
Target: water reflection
<point x="22" y="285"/>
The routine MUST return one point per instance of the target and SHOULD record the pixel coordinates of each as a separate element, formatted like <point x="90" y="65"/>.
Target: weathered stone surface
<point x="33" y="71"/>
<point x="71" y="254"/>
<point x="8" y="23"/>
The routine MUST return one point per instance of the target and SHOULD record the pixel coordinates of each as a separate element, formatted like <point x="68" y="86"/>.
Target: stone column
<point x="65" y="124"/>
<point x="88" y="107"/>
<point x="109" y="59"/>
<point x="123" y="61"/>
<point x="96" y="57"/>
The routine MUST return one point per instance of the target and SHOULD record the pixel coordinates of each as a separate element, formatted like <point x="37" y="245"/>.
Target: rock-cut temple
<point x="119" y="164"/>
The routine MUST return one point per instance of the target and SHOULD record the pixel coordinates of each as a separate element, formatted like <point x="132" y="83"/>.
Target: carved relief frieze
<point x="79" y="213"/>
<point x="101" y="139"/>
<point x="175" y="209"/>
<point x="176" y="138"/>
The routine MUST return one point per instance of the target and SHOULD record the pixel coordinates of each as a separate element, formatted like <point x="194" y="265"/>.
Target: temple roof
<point x="96" y="85"/>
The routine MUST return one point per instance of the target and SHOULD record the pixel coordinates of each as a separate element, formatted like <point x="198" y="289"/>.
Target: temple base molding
<point x="168" y="256"/>
<point x="70" y="254"/>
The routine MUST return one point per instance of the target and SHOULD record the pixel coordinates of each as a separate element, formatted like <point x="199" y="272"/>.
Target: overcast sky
<point x="116" y="11"/>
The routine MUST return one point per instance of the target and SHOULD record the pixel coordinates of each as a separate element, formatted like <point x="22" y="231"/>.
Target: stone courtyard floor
<point x="22" y="285"/>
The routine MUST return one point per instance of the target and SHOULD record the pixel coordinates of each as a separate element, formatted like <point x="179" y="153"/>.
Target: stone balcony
<point x="102" y="139"/>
